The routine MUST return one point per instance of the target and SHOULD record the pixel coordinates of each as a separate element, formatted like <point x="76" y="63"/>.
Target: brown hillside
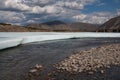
<point x="113" y="25"/>
<point x="59" y="26"/>
<point x="12" y="28"/>
<point x="53" y="26"/>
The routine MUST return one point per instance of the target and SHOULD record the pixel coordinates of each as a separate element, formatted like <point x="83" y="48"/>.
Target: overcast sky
<point x="37" y="11"/>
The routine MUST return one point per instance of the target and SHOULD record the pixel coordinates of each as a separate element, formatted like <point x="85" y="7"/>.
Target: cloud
<point x="72" y="5"/>
<point x="16" y="5"/>
<point x="36" y="11"/>
<point x="2" y="3"/>
<point x="11" y="17"/>
<point x="80" y="17"/>
<point x="95" y="17"/>
<point x="118" y="12"/>
<point x="38" y="2"/>
<point x="76" y="4"/>
<point x="28" y="5"/>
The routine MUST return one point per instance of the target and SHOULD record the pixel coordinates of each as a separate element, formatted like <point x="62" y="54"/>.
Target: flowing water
<point x="16" y="62"/>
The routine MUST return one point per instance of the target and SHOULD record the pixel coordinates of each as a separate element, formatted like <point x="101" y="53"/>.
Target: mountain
<point x="59" y="26"/>
<point x="14" y="28"/>
<point x="55" y="22"/>
<point x="11" y="28"/>
<point x="52" y="26"/>
<point x="113" y="25"/>
<point x="84" y="27"/>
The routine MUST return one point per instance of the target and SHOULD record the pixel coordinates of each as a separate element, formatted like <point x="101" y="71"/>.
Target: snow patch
<point x="16" y="38"/>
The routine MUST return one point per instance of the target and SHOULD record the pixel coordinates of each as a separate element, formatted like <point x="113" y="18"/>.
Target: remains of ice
<point x="11" y="39"/>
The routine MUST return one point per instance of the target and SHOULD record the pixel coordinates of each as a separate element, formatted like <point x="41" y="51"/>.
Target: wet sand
<point x="16" y="62"/>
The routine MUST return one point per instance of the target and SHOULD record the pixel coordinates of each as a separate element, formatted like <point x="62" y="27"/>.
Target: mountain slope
<point x="113" y="25"/>
<point x="52" y="26"/>
<point x="12" y="28"/>
<point x="59" y="26"/>
<point x="84" y="26"/>
<point x="55" y="22"/>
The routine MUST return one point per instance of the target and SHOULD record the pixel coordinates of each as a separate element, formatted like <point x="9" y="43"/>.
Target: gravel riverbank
<point x="92" y="59"/>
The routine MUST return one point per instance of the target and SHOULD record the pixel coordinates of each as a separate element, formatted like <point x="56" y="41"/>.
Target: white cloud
<point x="45" y="10"/>
<point x="49" y="9"/>
<point x="2" y="3"/>
<point x="16" y="4"/>
<point x="30" y="6"/>
<point x="80" y="17"/>
<point x="53" y="9"/>
<point x="11" y="16"/>
<point x="118" y="12"/>
<point x="96" y="17"/>
<point x="30" y="21"/>
<point x="24" y="5"/>
<point x="72" y="5"/>
<point x="37" y="10"/>
<point x="37" y="2"/>
<point x="76" y="4"/>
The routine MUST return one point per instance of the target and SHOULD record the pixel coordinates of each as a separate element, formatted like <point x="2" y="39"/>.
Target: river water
<point x="16" y="62"/>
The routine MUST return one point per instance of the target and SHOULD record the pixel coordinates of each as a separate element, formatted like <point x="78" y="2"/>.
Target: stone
<point x="92" y="60"/>
<point x="33" y="70"/>
<point x="38" y="67"/>
<point x="102" y="71"/>
<point x="90" y="72"/>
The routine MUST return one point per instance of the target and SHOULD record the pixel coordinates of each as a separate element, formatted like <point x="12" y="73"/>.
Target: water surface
<point x="16" y="62"/>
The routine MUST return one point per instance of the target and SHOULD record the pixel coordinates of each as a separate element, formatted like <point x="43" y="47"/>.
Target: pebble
<point x="33" y="70"/>
<point x="92" y="59"/>
<point x="90" y="72"/>
<point x="102" y="71"/>
<point x="38" y="67"/>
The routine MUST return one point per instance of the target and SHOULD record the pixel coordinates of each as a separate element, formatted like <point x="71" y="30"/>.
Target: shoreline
<point x="11" y="39"/>
<point x="105" y="61"/>
<point x="15" y="63"/>
<point x="92" y="59"/>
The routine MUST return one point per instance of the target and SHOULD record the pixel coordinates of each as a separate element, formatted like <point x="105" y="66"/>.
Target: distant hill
<point x="87" y="27"/>
<point x="14" y="28"/>
<point x="47" y="26"/>
<point x="55" y="22"/>
<point x="52" y="26"/>
<point x="11" y="28"/>
<point x="113" y="25"/>
<point x="59" y="26"/>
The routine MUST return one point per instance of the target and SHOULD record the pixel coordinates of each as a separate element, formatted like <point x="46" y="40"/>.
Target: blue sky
<point x="37" y="11"/>
<point x="103" y="6"/>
